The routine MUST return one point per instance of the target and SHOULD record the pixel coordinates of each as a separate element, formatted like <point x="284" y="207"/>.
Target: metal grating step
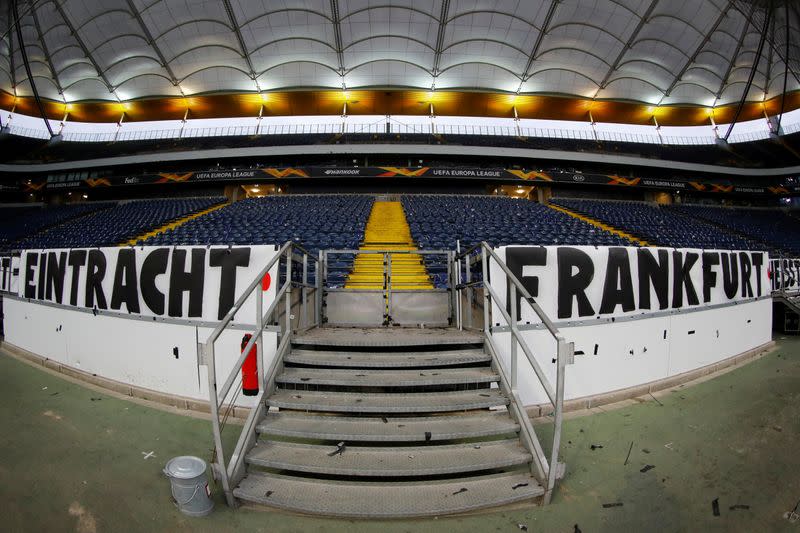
<point x="374" y="429"/>
<point x="386" y="499"/>
<point x="350" y="402"/>
<point x="389" y="461"/>
<point x="386" y="378"/>
<point x="387" y="360"/>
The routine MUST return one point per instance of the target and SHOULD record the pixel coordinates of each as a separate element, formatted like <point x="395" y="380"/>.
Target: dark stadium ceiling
<point x="652" y="52"/>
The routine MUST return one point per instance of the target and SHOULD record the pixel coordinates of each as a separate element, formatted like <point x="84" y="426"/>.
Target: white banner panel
<point x="189" y="282"/>
<point x="583" y="282"/>
<point x="690" y="308"/>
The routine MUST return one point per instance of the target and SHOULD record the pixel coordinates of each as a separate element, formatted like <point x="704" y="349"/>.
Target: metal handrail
<point x="546" y="471"/>
<point x="230" y="473"/>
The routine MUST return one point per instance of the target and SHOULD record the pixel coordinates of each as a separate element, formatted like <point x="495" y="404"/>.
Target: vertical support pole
<point x="219" y="465"/>
<point x="512" y="296"/>
<point x="451" y="277"/>
<point x="389" y="284"/>
<point x="260" y="335"/>
<point x="304" y="293"/>
<point x="468" y="279"/>
<point x="288" y="329"/>
<point x="564" y="350"/>
<point x="318" y="281"/>
<point x="487" y="304"/>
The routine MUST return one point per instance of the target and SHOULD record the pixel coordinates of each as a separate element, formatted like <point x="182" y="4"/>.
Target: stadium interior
<point x="376" y="182"/>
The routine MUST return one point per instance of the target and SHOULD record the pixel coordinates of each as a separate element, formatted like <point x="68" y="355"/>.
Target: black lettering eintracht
<point x="76" y="260"/>
<point x="181" y="281"/>
<point x="56" y="270"/>
<point x="228" y="260"/>
<point x="125" y="289"/>
<point x="95" y="272"/>
<point x="154" y="265"/>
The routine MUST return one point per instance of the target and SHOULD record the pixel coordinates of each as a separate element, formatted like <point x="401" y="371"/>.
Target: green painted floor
<point x="73" y="459"/>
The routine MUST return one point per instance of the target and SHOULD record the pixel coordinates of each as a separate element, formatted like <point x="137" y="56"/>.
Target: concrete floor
<point x="74" y="459"/>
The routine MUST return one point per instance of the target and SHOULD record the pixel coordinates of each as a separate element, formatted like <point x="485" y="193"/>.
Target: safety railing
<point x="440" y="127"/>
<point x="784" y="275"/>
<point x="398" y="305"/>
<point x="472" y="270"/>
<point x="289" y="314"/>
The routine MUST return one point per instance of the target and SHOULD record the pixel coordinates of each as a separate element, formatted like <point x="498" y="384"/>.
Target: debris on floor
<point x="523" y="527"/>
<point x="629" y="454"/>
<point x="646" y="468"/>
<point x="339" y="449"/>
<point x="739" y="506"/>
<point x="595" y="446"/>
<point x="715" y="506"/>
<point x="614" y="504"/>
<point x="459" y="491"/>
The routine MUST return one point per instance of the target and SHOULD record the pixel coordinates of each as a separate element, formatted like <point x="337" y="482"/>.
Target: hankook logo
<point x="342" y="172"/>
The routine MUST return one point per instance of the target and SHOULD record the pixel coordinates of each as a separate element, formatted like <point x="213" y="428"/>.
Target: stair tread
<point x="387" y="403"/>
<point x="374" y="429"/>
<point x="386" y="337"/>
<point x="386" y="378"/>
<point x="386" y="499"/>
<point x="370" y="461"/>
<point x="378" y="359"/>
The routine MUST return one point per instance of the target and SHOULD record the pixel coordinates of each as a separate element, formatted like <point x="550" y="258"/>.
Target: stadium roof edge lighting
<point x="623" y="55"/>
<point x="397" y="102"/>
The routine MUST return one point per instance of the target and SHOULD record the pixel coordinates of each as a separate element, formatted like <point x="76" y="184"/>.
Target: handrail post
<point x="318" y="281"/>
<point x="220" y="466"/>
<point x="260" y="338"/>
<point x="288" y="317"/>
<point x="389" y="285"/>
<point x="468" y="279"/>
<point x="564" y="354"/>
<point x="452" y="281"/>
<point x="513" y="336"/>
<point x="304" y="293"/>
<point x="487" y="304"/>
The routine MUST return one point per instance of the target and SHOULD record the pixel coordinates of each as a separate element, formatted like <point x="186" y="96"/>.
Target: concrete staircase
<point x="387" y="423"/>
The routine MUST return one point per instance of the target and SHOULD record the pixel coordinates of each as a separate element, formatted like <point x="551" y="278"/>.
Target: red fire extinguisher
<point x="249" y="369"/>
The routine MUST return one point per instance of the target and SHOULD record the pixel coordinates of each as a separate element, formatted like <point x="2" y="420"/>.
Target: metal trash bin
<point x="190" y="492"/>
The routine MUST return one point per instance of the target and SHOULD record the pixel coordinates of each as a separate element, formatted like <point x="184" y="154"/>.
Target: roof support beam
<point x="628" y="44"/>
<point x="437" y="53"/>
<point x="785" y="73"/>
<point x="46" y="51"/>
<point x="538" y="44"/>
<point x="82" y="45"/>
<point x="724" y="82"/>
<point x="237" y="31"/>
<point x="24" y="55"/>
<point x="699" y="49"/>
<point x="152" y="42"/>
<point x="753" y="69"/>
<point x="337" y="37"/>
<point x="11" y="48"/>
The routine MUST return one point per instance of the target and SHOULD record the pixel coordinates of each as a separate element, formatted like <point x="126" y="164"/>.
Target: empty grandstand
<point x="384" y="248"/>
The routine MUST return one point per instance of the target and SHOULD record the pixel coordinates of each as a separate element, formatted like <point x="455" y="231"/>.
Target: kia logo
<point x="578" y="177"/>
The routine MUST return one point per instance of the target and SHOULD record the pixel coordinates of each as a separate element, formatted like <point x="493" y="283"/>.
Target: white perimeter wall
<point x="635" y="352"/>
<point x="135" y="352"/>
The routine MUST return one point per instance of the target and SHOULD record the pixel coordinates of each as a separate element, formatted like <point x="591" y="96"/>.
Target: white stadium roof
<point x="660" y="52"/>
